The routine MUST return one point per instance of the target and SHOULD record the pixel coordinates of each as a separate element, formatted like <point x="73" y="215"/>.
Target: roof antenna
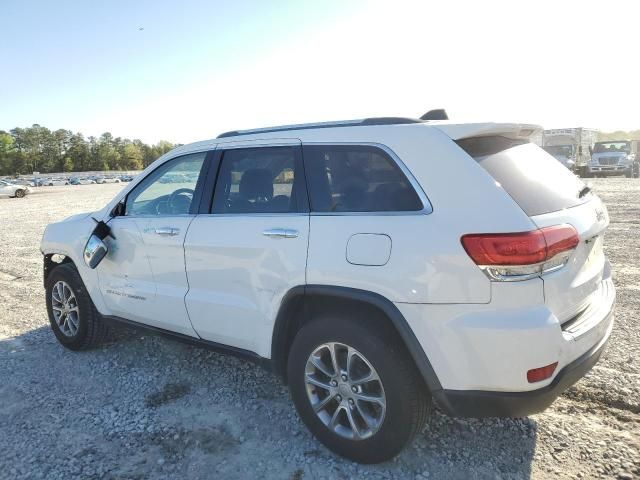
<point x="437" y="114"/>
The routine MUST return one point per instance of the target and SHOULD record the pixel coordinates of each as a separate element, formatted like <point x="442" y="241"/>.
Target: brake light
<point x="560" y="239"/>
<point x="538" y="374"/>
<point x="519" y="256"/>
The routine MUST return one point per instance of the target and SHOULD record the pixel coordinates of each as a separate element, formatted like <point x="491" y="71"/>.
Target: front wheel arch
<point x="304" y="303"/>
<point x="52" y="260"/>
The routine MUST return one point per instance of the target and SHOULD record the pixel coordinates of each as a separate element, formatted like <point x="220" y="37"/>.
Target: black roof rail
<point x="307" y="126"/>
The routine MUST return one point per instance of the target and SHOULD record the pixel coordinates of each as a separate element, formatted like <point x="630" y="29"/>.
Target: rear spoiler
<point x="515" y="131"/>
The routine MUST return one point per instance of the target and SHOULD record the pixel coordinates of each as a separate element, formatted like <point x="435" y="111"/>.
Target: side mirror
<point x="94" y="251"/>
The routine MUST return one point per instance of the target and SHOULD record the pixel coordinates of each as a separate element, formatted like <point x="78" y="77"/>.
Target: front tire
<point x="73" y="317"/>
<point x="358" y="392"/>
<point x="20" y="193"/>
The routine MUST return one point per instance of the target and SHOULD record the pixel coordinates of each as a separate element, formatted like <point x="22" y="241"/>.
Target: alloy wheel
<point x="345" y="391"/>
<point x="65" y="308"/>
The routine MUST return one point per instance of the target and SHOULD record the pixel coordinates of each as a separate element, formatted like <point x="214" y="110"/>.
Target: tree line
<point x="619" y="135"/>
<point x="38" y="149"/>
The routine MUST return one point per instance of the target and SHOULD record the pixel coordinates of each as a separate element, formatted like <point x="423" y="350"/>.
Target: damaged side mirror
<point x="96" y="249"/>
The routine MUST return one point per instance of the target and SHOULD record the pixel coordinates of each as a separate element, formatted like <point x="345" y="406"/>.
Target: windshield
<point x="611" y="147"/>
<point x="559" y="150"/>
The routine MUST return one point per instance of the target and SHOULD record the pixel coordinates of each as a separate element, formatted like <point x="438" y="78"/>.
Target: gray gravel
<point x="145" y="407"/>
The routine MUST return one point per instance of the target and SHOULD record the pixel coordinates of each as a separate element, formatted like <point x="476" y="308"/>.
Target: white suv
<point x="375" y="266"/>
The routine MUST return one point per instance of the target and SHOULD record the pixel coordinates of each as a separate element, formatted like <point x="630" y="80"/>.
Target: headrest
<point x="256" y="183"/>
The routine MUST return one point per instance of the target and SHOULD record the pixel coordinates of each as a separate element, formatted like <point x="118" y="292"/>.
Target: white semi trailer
<point x="571" y="146"/>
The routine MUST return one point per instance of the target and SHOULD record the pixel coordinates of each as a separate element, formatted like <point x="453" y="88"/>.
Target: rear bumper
<point x="476" y="403"/>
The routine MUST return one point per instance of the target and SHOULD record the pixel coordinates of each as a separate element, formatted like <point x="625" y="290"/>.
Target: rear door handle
<point x="280" y="233"/>
<point x="167" y="231"/>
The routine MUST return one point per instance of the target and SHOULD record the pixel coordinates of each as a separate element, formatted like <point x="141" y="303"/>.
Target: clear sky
<point x="188" y="70"/>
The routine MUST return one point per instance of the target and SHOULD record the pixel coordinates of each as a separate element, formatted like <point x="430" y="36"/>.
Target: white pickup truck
<point x="618" y="157"/>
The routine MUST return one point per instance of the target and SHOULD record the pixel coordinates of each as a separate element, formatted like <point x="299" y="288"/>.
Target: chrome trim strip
<point x="255" y="214"/>
<point x="490" y="270"/>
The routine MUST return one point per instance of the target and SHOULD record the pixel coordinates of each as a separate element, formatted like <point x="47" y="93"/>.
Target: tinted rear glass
<point x="534" y="179"/>
<point x="356" y="178"/>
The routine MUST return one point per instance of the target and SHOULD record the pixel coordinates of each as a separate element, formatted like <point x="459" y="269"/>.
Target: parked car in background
<point x="107" y="180"/>
<point x="36" y="182"/>
<point x="55" y="182"/>
<point x="341" y="257"/>
<point x="10" y="189"/>
<point x="126" y="178"/>
<point x="80" y="181"/>
<point x="617" y="157"/>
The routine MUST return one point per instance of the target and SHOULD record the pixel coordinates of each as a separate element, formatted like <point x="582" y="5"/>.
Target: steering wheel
<point x="181" y="194"/>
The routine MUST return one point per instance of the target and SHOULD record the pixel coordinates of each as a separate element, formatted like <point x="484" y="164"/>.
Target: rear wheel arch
<point x="303" y="304"/>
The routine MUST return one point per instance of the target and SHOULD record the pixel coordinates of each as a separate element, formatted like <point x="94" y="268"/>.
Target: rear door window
<point x="356" y="178"/>
<point x="260" y="180"/>
<point x="533" y="178"/>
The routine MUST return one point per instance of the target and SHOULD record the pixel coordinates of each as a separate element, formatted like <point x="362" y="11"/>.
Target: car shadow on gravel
<point x="181" y="406"/>
<point x="490" y="447"/>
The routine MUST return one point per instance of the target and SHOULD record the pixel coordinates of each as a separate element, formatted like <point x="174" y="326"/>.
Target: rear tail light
<point x="524" y="255"/>
<point x="538" y="374"/>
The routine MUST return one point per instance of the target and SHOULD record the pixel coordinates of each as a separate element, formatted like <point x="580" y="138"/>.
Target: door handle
<point x="280" y="233"/>
<point x="167" y="231"/>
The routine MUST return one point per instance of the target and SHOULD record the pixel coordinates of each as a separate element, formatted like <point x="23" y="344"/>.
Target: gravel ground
<point x="146" y="407"/>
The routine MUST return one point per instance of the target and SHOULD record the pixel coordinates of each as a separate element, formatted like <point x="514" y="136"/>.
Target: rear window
<point x="533" y="178"/>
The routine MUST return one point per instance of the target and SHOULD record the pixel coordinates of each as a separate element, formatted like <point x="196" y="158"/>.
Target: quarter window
<point x="168" y="190"/>
<point x="350" y="178"/>
<point x="257" y="180"/>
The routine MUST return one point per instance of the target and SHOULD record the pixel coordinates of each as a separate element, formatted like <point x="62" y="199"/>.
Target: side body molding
<point x="296" y="308"/>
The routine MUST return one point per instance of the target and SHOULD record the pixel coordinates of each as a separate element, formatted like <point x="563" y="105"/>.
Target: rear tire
<point x="73" y="317"/>
<point x="20" y="193"/>
<point x="384" y="430"/>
